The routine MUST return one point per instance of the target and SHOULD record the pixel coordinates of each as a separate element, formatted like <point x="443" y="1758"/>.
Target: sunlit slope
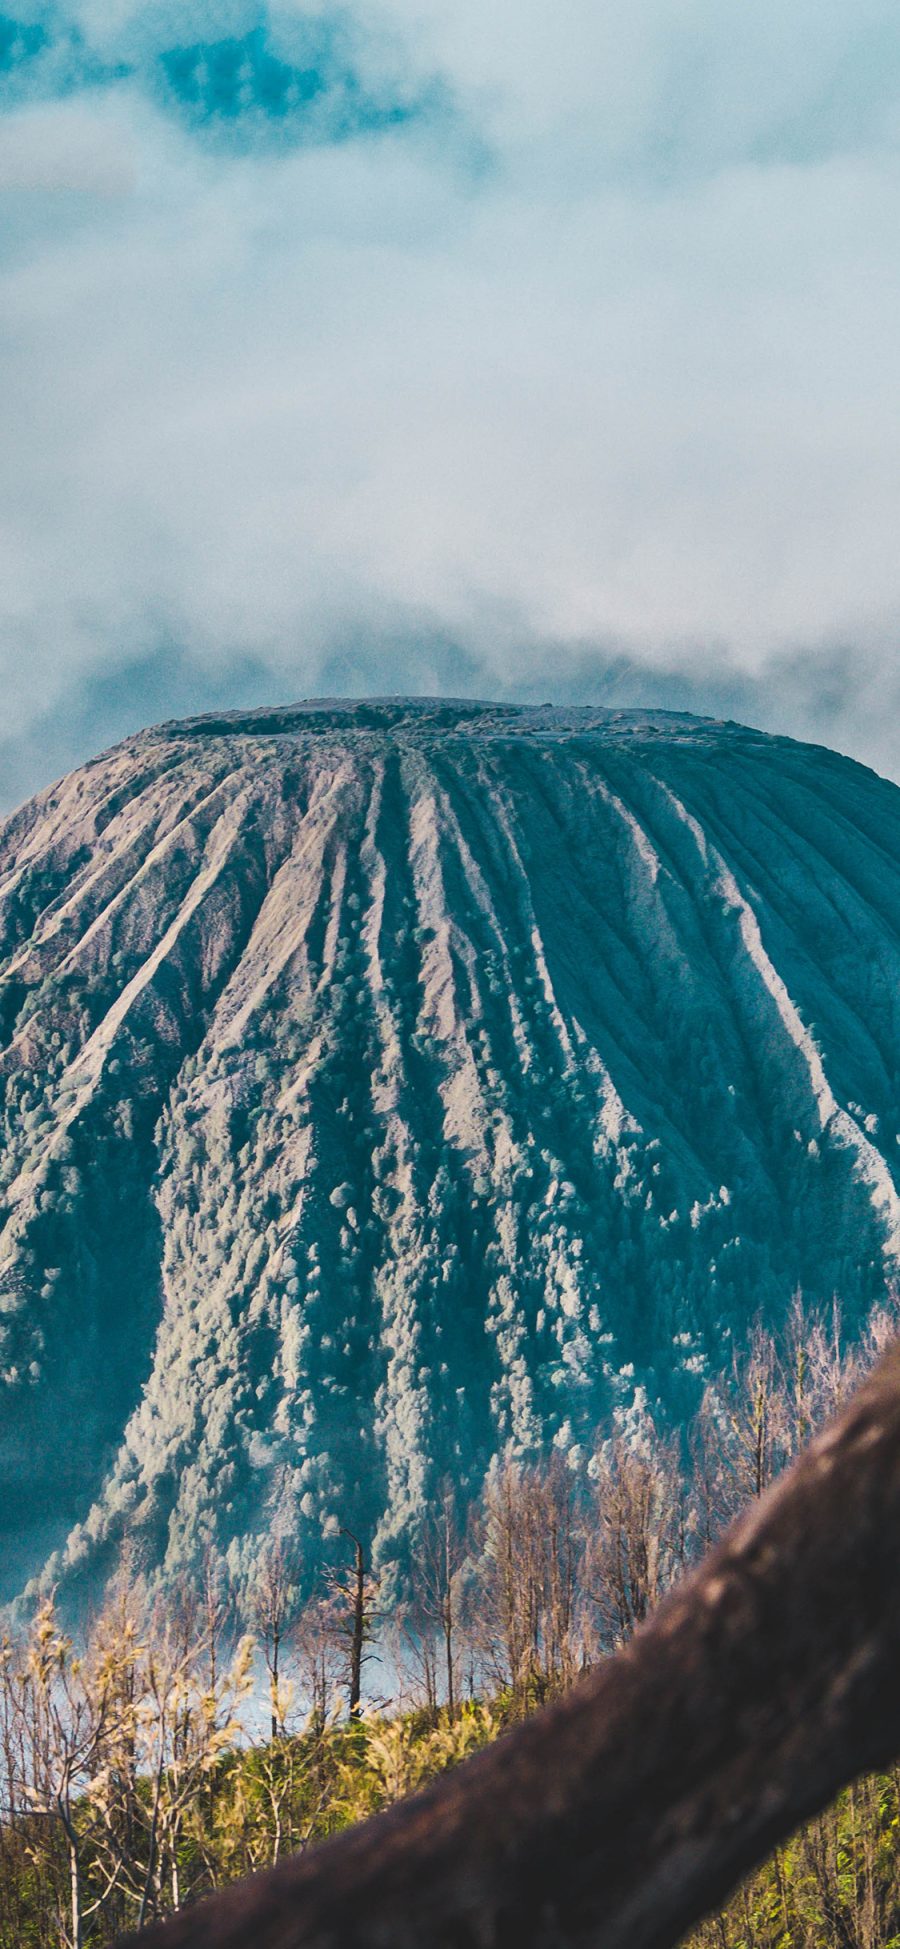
<point x="382" y="1084"/>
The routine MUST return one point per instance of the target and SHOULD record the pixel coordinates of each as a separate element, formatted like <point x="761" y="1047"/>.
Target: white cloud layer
<point x="600" y="359"/>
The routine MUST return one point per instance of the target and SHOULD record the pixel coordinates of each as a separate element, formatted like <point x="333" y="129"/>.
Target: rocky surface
<point x="386" y="1083"/>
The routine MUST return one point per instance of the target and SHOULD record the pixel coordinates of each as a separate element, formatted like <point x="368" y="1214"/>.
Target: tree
<point x="319" y="1654"/>
<point x="638" y="1540"/>
<point x="67" y="1720"/>
<point x="187" y="1726"/>
<point x="273" y="1608"/>
<point x="522" y="1601"/>
<point x="430" y="1621"/>
<point x="742" y="1433"/>
<point x="354" y="1598"/>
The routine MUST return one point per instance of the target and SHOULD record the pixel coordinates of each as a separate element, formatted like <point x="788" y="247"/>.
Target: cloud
<point x="517" y="347"/>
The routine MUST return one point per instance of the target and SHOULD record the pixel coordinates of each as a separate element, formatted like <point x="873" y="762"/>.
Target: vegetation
<point x="189" y="1741"/>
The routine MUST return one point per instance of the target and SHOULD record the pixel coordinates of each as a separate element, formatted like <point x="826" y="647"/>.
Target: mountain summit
<point x="386" y="1083"/>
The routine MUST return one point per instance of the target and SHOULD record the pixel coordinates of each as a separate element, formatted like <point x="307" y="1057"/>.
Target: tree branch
<point x="619" y="1816"/>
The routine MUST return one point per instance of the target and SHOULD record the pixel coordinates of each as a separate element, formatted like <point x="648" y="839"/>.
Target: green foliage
<point x="836" y="1885"/>
<point x="246" y="1809"/>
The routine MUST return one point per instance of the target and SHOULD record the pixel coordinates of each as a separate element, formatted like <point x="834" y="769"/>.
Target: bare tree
<point x="320" y="1656"/>
<point x="819" y="1369"/>
<point x="637" y="1545"/>
<point x="185" y="1727"/>
<point x="522" y="1599"/>
<point x="273" y="1608"/>
<point x="353" y="1600"/>
<point x="429" y="1622"/>
<point x="757" y="1413"/>
<point x="218" y="1599"/>
<point x="65" y="1719"/>
<point x="742" y="1434"/>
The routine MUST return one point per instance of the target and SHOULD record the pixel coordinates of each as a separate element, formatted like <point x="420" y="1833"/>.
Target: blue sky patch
<point x="223" y="80"/>
<point x="49" y="60"/>
<point x="239" y="87"/>
<point x="235" y="90"/>
<point x="20" y="41"/>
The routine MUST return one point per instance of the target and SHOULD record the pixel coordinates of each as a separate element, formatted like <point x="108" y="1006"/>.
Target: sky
<point x="546" y="350"/>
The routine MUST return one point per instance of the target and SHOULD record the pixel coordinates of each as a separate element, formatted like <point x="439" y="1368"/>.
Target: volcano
<point x="388" y="1085"/>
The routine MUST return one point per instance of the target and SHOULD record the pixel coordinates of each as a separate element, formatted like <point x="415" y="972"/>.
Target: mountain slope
<point x="384" y="1083"/>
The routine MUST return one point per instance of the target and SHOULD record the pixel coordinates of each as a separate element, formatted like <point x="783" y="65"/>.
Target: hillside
<point x="384" y="1083"/>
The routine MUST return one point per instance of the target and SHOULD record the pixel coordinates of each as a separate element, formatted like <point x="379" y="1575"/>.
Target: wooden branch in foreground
<point x="619" y="1816"/>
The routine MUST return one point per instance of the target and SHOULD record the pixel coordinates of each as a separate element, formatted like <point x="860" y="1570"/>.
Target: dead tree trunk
<point x="357" y="1626"/>
<point x="620" y="1815"/>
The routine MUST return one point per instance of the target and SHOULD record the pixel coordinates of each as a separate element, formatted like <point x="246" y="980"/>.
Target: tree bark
<point x="358" y="1626"/>
<point x="75" y="1923"/>
<point x="618" y="1817"/>
<point x="276" y="1647"/>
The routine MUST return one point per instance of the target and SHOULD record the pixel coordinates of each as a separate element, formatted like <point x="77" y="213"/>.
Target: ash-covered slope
<point x="385" y="1083"/>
